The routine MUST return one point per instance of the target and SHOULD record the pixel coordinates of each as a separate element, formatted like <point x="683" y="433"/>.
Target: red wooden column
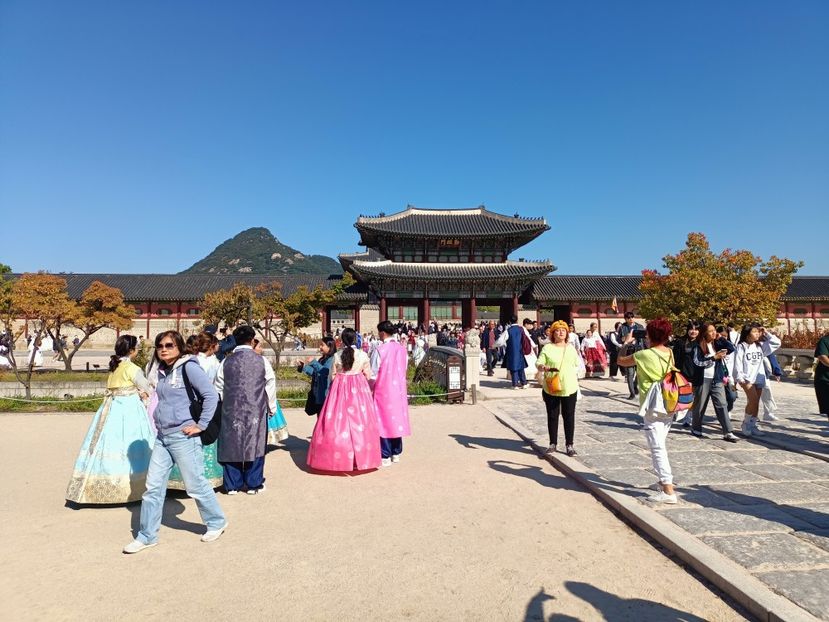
<point x="427" y="313"/>
<point x="599" y="316"/>
<point x="178" y="317"/>
<point x="515" y="305"/>
<point x="473" y="312"/>
<point x="326" y="325"/>
<point x="357" y="318"/>
<point x="382" y="308"/>
<point x="149" y="310"/>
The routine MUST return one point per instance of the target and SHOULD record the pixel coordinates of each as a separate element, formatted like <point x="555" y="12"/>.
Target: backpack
<point x="526" y="344"/>
<point x="677" y="392"/>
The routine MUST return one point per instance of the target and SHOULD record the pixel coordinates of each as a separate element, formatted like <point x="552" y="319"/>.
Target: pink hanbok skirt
<point x="595" y="360"/>
<point x="346" y="437"/>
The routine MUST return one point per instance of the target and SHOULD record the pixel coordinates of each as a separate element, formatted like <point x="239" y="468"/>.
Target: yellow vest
<point x="122" y="376"/>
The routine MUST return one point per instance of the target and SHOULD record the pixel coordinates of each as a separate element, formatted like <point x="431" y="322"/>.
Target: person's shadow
<point x="534" y="473"/>
<point x="476" y="442"/>
<point x="169" y="517"/>
<point x="535" y="608"/>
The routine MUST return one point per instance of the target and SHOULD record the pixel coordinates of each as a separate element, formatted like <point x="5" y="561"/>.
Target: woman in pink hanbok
<point x="389" y="361"/>
<point x="346" y="437"/>
<point x="594" y="353"/>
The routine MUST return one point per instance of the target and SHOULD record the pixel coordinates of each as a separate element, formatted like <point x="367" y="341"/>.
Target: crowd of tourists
<point x="198" y="418"/>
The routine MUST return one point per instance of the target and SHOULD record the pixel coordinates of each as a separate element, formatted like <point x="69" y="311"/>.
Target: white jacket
<point x="748" y="359"/>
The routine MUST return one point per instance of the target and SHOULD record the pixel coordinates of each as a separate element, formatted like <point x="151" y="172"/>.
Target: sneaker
<point x="663" y="497"/>
<point x="256" y="491"/>
<point x="730" y="438"/>
<point x="515" y="388"/>
<point x="770" y="417"/>
<point x="136" y="546"/>
<point x="232" y="492"/>
<point x="698" y="433"/>
<point x="571" y="451"/>
<point x="746" y="427"/>
<point x="385" y="462"/>
<point x="755" y="428"/>
<point x="395" y="459"/>
<point x="212" y="535"/>
<point x="550" y="450"/>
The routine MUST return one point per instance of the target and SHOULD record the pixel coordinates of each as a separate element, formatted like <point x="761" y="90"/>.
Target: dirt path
<point x="469" y="526"/>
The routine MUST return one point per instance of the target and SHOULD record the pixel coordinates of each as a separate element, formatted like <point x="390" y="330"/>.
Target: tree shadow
<point x="613" y="607"/>
<point x="510" y="444"/>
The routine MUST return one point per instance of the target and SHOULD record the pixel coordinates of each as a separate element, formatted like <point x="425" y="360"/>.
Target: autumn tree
<point x="100" y="306"/>
<point x="231" y="306"/>
<point x="733" y="286"/>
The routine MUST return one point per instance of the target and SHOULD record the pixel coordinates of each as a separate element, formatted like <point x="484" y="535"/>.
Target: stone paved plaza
<point x="763" y="504"/>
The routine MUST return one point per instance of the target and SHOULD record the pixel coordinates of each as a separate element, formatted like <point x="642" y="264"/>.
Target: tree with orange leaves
<point x="732" y="286"/>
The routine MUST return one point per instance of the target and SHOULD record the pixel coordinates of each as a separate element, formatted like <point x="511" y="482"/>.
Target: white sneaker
<point x="663" y="497"/>
<point x="746" y="427"/>
<point x="256" y="491"/>
<point x="232" y="492"/>
<point x="755" y="428"/>
<point x="395" y="459"/>
<point x="213" y="534"/>
<point x="770" y="417"/>
<point x="136" y="546"/>
<point x="385" y="462"/>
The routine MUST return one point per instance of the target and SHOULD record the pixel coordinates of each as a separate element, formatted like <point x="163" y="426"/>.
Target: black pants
<point x="567" y="407"/>
<point x="630" y="376"/>
<point x="491" y="360"/>
<point x="614" y="365"/>
<point x="822" y="393"/>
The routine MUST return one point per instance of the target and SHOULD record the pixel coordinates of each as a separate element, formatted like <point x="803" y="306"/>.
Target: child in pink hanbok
<point x="346" y="437"/>
<point x="389" y="361"/>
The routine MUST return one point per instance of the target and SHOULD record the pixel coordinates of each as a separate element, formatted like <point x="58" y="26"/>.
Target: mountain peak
<point x="257" y="251"/>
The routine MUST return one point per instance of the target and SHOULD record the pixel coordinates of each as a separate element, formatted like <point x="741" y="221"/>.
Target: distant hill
<point x="257" y="251"/>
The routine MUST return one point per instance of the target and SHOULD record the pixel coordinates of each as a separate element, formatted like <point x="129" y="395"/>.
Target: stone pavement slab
<point x="761" y="505"/>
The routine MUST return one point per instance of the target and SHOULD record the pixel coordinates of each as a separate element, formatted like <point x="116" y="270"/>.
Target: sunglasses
<point x="166" y="346"/>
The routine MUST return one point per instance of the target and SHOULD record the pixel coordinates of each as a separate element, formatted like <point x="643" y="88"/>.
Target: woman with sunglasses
<point x="178" y="443"/>
<point x="112" y="464"/>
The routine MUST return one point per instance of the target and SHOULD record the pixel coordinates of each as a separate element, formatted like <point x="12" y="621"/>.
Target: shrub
<point x="802" y="338"/>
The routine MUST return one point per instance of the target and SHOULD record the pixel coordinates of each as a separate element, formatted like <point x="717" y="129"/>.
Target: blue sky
<point x="137" y="136"/>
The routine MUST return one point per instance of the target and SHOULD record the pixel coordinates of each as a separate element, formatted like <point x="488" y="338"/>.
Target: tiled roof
<point x="573" y="287"/>
<point x="188" y="287"/>
<point x="596" y="287"/>
<point x="460" y="223"/>
<point x="346" y="259"/>
<point x="523" y="270"/>
<point x="808" y="288"/>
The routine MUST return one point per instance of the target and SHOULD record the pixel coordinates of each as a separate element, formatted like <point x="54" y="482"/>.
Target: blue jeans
<point x="391" y="447"/>
<point x="186" y="452"/>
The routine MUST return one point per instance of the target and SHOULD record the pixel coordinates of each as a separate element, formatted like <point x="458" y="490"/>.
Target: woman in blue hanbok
<point x="112" y="464"/>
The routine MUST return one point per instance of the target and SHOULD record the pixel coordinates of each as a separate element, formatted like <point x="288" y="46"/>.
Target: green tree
<point x="732" y="286"/>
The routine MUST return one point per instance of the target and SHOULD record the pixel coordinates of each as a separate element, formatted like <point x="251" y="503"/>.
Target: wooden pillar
<point x="454" y="311"/>
<point x="382" y="308"/>
<point x="325" y="321"/>
<point x="178" y="317"/>
<point x="538" y="315"/>
<point x="515" y="305"/>
<point x="599" y="316"/>
<point x="427" y="313"/>
<point x="473" y="312"/>
<point x="788" y="317"/>
<point x="357" y="318"/>
<point x="149" y="310"/>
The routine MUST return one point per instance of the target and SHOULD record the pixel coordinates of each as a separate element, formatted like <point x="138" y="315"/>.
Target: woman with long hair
<point x="683" y="349"/>
<point x="559" y="362"/>
<point x="346" y="436"/>
<point x="178" y="443"/>
<point x="115" y="454"/>
<point x="320" y="372"/>
<point x="651" y="366"/>
<point x="756" y="343"/>
<point x="203" y="347"/>
<point x="710" y="377"/>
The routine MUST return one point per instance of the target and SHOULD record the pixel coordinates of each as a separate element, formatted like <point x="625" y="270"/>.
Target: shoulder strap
<point x="191" y="394"/>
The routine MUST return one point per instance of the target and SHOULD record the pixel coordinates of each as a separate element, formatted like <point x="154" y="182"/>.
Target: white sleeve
<point x="739" y="363"/>
<point x="270" y="386"/>
<point x="219" y="382"/>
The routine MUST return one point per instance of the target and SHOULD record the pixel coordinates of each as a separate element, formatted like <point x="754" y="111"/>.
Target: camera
<point x="639" y="334"/>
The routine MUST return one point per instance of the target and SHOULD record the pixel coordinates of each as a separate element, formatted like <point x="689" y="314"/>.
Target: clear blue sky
<point x="136" y="136"/>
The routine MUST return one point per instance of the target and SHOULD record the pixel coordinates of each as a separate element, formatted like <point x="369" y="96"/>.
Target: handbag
<point x="552" y="382"/>
<point x="210" y="434"/>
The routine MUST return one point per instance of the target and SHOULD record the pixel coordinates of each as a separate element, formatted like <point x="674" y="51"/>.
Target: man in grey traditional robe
<point x="247" y="384"/>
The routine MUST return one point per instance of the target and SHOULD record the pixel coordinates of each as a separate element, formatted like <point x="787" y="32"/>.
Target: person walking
<point x="247" y="385"/>
<point x="389" y="361"/>
<point x="514" y="359"/>
<point x="709" y="378"/>
<point x="559" y="363"/>
<point x="346" y="436"/>
<point x="488" y="340"/>
<point x="613" y="345"/>
<point x="178" y="443"/>
<point x="631" y="328"/>
<point x="767" y="396"/>
<point x="683" y="349"/>
<point x="112" y="463"/>
<point x="822" y="375"/>
<point x="750" y="372"/>
<point x="651" y="366"/>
